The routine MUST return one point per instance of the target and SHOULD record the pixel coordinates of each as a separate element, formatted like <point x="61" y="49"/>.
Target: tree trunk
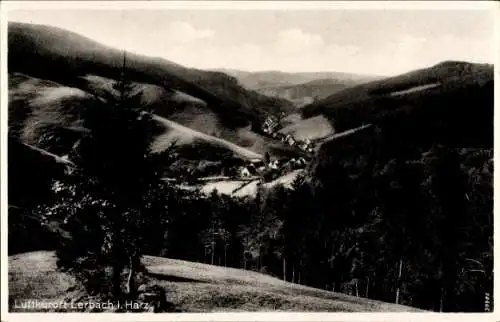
<point x="340" y="284"/>
<point x="213" y="242"/>
<point x="367" y="286"/>
<point x="117" y="266"/>
<point x="333" y="276"/>
<point x="441" y="300"/>
<point x="213" y="253"/>
<point x="225" y="255"/>
<point x="116" y="281"/>
<point x="293" y="274"/>
<point x="131" y="279"/>
<point x="399" y="280"/>
<point x="284" y="268"/>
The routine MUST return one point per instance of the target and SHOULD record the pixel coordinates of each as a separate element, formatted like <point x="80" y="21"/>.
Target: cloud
<point x="211" y="56"/>
<point x="180" y="32"/>
<point x="295" y="40"/>
<point x="409" y="52"/>
<point x="288" y="50"/>
<point x="175" y="40"/>
<point x="295" y="49"/>
<point x="298" y="50"/>
<point x="387" y="47"/>
<point x="396" y="56"/>
<point x="479" y="50"/>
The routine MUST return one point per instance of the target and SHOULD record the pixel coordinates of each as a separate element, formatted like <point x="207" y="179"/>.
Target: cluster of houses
<point x="270" y="127"/>
<point x="291" y="141"/>
<point x="258" y="167"/>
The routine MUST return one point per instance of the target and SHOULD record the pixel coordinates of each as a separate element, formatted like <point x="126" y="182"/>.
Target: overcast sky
<point x="367" y="42"/>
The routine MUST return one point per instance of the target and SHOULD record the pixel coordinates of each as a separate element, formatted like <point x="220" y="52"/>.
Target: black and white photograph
<point x="227" y="157"/>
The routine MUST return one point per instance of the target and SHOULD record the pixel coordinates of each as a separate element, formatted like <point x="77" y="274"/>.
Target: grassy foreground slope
<point x="193" y="287"/>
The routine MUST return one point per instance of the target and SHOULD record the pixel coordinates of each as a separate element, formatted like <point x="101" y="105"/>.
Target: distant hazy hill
<point x="307" y="93"/>
<point x="264" y="79"/>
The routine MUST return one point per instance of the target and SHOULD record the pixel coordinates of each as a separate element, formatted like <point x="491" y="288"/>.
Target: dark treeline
<point x="415" y="231"/>
<point x="418" y="232"/>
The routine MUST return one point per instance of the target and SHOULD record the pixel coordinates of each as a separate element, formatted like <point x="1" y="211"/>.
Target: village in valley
<point x="271" y="128"/>
<point x="275" y="167"/>
<point x="242" y="177"/>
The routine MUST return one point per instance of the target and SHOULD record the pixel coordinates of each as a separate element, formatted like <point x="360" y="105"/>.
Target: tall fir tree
<point x="107" y="201"/>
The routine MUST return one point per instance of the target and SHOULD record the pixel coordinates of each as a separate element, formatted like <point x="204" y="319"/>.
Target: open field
<point x="194" y="287"/>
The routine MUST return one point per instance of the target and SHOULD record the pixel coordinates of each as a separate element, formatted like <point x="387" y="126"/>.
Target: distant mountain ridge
<point x="263" y="79"/>
<point x="306" y="93"/>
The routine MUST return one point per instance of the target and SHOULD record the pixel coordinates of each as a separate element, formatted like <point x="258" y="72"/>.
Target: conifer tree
<point x="107" y="202"/>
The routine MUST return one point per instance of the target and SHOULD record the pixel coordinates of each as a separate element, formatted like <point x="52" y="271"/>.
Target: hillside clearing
<point x="241" y="188"/>
<point x="414" y="89"/>
<point x="311" y="128"/>
<point x="194" y="287"/>
<point x="187" y="135"/>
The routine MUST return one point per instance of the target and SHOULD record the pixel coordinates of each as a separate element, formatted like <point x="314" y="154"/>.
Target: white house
<point x="244" y="172"/>
<point x="301" y="161"/>
<point x="257" y="162"/>
<point x="274" y="164"/>
<point x="306" y="145"/>
<point x="269" y="125"/>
